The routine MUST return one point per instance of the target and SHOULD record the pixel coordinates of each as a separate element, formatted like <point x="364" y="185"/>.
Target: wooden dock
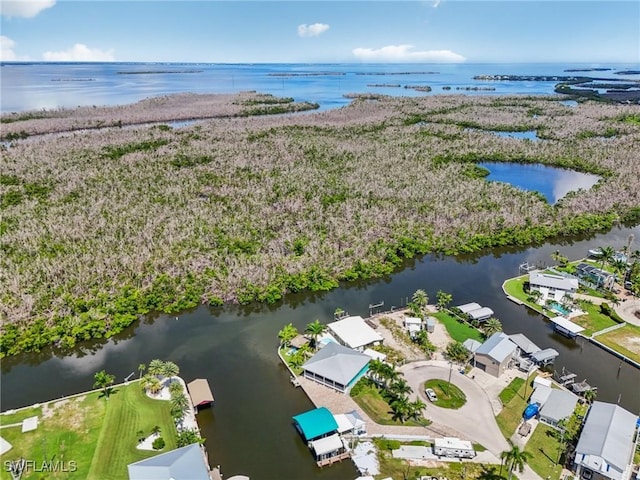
<point x="332" y="460"/>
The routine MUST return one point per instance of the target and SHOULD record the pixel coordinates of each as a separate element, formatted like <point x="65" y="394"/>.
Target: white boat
<point x="595" y="252"/>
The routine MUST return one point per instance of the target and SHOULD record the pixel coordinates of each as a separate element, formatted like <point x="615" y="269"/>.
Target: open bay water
<point x="35" y="86"/>
<point x="249" y="429"/>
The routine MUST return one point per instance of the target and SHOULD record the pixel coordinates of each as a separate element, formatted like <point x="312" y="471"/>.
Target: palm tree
<point x="170" y="369"/>
<point x="420" y="300"/>
<point x="141" y="368"/>
<point x="315" y="329"/>
<point x="400" y="408"/>
<point x="515" y="458"/>
<point x="491" y="326"/>
<point x="416" y="408"/>
<point x="179" y="403"/>
<point x="175" y="388"/>
<point x="155" y="430"/>
<point x="444" y="299"/>
<point x="376" y="368"/>
<point x="151" y="383"/>
<point x="156" y="367"/>
<point x="103" y="380"/>
<point x="590" y="395"/>
<point x="607" y="255"/>
<point x="288" y="333"/>
<point x="400" y="388"/>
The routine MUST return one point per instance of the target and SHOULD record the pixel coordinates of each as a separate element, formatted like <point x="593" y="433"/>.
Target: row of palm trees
<point x="157" y="372"/>
<point x="395" y="390"/>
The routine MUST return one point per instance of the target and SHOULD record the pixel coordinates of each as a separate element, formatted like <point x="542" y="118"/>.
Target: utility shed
<point x="200" y="393"/>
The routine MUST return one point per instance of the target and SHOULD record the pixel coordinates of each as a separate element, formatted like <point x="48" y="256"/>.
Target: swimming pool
<point x="559" y="308"/>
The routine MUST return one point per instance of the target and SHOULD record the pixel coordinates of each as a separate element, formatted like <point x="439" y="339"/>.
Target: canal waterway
<point x="552" y="182"/>
<point x="249" y="429"/>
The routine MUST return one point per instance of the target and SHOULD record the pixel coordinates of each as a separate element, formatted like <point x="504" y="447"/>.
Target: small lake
<point x="554" y="183"/>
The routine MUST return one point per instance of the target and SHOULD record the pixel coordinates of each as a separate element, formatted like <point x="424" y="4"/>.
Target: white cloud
<point x="24" y="8"/>
<point x="313" y="30"/>
<point x="405" y="53"/>
<point x="80" y="53"/>
<point x="6" y="49"/>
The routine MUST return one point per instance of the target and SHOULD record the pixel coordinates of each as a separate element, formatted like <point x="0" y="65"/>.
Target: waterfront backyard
<point x="92" y="437"/>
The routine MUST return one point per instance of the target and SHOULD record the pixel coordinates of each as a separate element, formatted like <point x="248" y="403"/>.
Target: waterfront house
<point x="355" y="333"/>
<point x="552" y="287"/>
<point x="453" y="447"/>
<point x="185" y="463"/>
<point x="336" y="366"/>
<point x="606" y="445"/>
<point x="594" y="276"/>
<point x="468" y="307"/>
<point x="319" y="429"/>
<point x="494" y="355"/>
<point x="558" y="406"/>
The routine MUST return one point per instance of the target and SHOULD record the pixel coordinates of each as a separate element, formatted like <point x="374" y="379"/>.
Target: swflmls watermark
<point x="18" y="467"/>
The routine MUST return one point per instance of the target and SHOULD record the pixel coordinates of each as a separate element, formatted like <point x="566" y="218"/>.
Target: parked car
<point x="431" y="395"/>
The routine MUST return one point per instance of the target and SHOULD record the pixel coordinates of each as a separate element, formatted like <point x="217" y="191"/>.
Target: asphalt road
<point x="474" y="419"/>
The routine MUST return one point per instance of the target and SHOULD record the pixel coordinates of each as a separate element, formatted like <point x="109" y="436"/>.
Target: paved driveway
<point x="474" y="419"/>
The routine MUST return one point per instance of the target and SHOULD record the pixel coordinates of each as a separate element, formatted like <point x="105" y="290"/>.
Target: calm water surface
<point x="249" y="429"/>
<point x="554" y="183"/>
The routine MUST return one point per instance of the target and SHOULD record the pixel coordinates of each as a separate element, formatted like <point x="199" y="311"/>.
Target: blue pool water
<point x="559" y="308"/>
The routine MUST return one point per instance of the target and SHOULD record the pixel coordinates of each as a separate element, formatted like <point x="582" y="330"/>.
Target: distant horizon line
<point x="130" y="62"/>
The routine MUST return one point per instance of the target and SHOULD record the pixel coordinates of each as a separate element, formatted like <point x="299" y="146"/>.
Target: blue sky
<point x="321" y="31"/>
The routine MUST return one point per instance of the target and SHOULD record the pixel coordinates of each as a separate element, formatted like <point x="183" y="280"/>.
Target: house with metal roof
<point x="559" y="405"/>
<point x="467" y="307"/>
<point x="471" y="345"/>
<point x="316" y="423"/>
<point x="525" y="346"/>
<point x="480" y="314"/>
<point x="354" y="332"/>
<point x="494" y="355"/>
<point x="185" y="463"/>
<point x="606" y="445"/>
<point x="336" y="366"/>
<point x="552" y="287"/>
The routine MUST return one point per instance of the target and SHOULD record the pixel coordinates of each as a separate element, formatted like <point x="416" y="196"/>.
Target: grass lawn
<point x="511" y="390"/>
<point x="515" y="288"/>
<point x="449" y="396"/>
<point x="625" y="340"/>
<point x="544" y="447"/>
<point x="511" y="415"/>
<point x="99" y="435"/>
<point x="457" y="330"/>
<point x="378" y="409"/>
<point x="594" y="321"/>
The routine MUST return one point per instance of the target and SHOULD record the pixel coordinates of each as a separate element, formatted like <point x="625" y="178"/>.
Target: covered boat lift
<point x="544" y="357"/>
<point x="200" y="393"/>
<point x="566" y="327"/>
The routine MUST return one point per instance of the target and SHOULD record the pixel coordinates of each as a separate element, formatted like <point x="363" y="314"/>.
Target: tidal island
<point x="114" y="213"/>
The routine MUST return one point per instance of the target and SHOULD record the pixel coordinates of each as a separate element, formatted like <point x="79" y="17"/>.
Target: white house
<point x="336" y="366"/>
<point x="606" y="445"/>
<point x="552" y="287"/>
<point x="354" y="332"/>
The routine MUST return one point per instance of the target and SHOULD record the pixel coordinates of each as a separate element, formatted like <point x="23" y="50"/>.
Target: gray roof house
<point x="605" y="448"/>
<point x="494" y="355"/>
<point x="526" y="346"/>
<point x="553" y="287"/>
<point x="559" y="405"/>
<point x="185" y="463"/>
<point x="336" y="366"/>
